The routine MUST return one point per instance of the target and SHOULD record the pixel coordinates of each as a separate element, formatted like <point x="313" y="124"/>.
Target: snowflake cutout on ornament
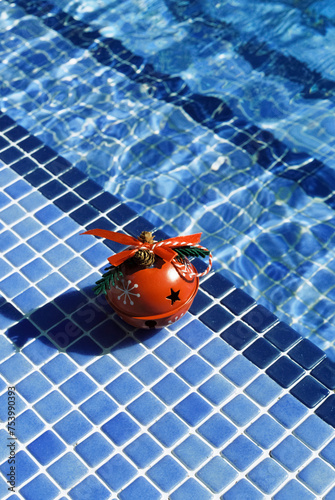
<point x="127" y="291"/>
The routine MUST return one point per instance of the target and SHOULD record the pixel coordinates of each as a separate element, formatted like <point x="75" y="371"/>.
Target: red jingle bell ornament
<point x="151" y="284"/>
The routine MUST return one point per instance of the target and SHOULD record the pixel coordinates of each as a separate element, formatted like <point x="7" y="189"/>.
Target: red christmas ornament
<point x="151" y="284"/>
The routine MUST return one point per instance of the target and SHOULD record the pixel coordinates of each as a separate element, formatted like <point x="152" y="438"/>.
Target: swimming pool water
<point x="202" y="116"/>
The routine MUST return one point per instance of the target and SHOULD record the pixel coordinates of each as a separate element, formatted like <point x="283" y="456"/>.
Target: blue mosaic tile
<point x="167" y="473"/>
<point x="242" y="453"/>
<point x="15" y="367"/>
<point x="265" y="431"/>
<point x="170" y="389"/>
<point x="168" y="429"/>
<point x="103" y="369"/>
<point x="318" y="476"/>
<point x="94" y="449"/>
<point x="192" y="452"/>
<point x="288" y="411"/>
<point x="52" y="407"/>
<point x="72" y="427"/>
<point x="143" y="450"/>
<point x="91" y="487"/>
<point x="240" y="410"/>
<point x="116" y="472"/>
<point x="238" y="335"/>
<point x="267" y="475"/>
<point x="291" y="453"/>
<point x="285" y="372"/>
<point x="59" y="470"/>
<point x="59" y="368"/>
<point x="27" y="227"/>
<point x="127" y="351"/>
<point x="314" y="432"/>
<point x="325" y="373"/>
<point x="193" y="409"/>
<point x="282" y="336"/>
<point x="328" y="452"/>
<point x="148" y="369"/>
<point x="216" y="389"/>
<point x="39" y="488"/>
<point x="18" y="189"/>
<point x="263" y="390"/>
<point x="46" y="447"/>
<point x="200" y="303"/>
<point x="217" y="474"/>
<point x="172" y="351"/>
<point x="8" y="240"/>
<point x="262" y="353"/>
<point x="326" y="410"/>
<point x="217" y="285"/>
<point x="28" y="425"/>
<point x="216" y="318"/>
<point x="44" y="154"/>
<point x="102" y="401"/>
<point x="217" y="430"/>
<point x="146" y="408"/>
<point x="216" y="352"/>
<point x="293" y="489"/>
<point x="238" y="302"/>
<point x="239" y="370"/>
<point x="309" y="391"/>
<point x="120" y="428"/>
<point x="243" y="489"/>
<point x="25" y="468"/>
<point x="104" y="202"/>
<point x="33" y="387"/>
<point x="260" y="318"/>
<point x="194" y="370"/>
<point x="13" y="285"/>
<point x="306" y="354"/>
<point x="36" y="270"/>
<point x="124" y="388"/>
<point x="47" y="316"/>
<point x="139" y="488"/>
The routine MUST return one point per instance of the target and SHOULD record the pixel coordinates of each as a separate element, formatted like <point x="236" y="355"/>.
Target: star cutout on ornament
<point x="174" y="296"/>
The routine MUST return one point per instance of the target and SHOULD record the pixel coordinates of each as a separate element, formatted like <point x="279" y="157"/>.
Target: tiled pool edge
<point x="248" y="328"/>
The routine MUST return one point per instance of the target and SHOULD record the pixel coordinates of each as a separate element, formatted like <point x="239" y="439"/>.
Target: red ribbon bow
<point x="163" y="249"/>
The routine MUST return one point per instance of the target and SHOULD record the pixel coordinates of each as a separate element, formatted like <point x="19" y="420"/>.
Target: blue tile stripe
<point x="210" y="111"/>
<point x="303" y="369"/>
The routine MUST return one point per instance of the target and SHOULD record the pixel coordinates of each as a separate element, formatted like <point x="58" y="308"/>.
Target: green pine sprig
<point x="191" y="252"/>
<point x="108" y="278"/>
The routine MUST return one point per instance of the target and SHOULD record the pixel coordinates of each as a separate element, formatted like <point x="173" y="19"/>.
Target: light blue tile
<point x="29" y="300"/>
<point x="243" y="489"/>
<point x="263" y="390"/>
<point x="193" y="409"/>
<point x="59" y="470"/>
<point x="168" y="429"/>
<point x="36" y="270"/>
<point x="46" y="447"/>
<point x="192" y="452"/>
<point x="191" y="489"/>
<point x="124" y="388"/>
<point x="172" y="351"/>
<point x="53" y="284"/>
<point x="116" y="472"/>
<point x="78" y="387"/>
<point x="291" y="453"/>
<point x="265" y="431"/>
<point x="216" y="352"/>
<point x="39" y="488"/>
<point x="217" y="389"/>
<point x="148" y="369"/>
<point x="239" y="370"/>
<point x="242" y="452"/>
<point x="14" y="285"/>
<point x="294" y="489"/>
<point x="314" y="432"/>
<point x="167" y="473"/>
<point x="217" y="430"/>
<point x="94" y="449"/>
<point x="240" y="410"/>
<point x="288" y="411"/>
<point x="146" y="408"/>
<point x="268" y="475"/>
<point x="194" y="370"/>
<point x="170" y="389"/>
<point x="91" y="488"/>
<point x="217" y="474"/>
<point x="328" y="453"/>
<point x="59" y="368"/>
<point x="72" y="427"/>
<point x="28" y="425"/>
<point x="103" y="369"/>
<point x="15" y="367"/>
<point x="25" y="468"/>
<point x="121" y="428"/>
<point x="318" y="476"/>
<point x="143" y="450"/>
<point x="140" y="488"/>
<point x="33" y="387"/>
<point x="53" y="406"/>
<point x="105" y="404"/>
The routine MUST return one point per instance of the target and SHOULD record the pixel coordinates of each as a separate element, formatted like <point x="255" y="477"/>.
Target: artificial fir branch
<point x="191" y="251"/>
<point x="108" y="278"/>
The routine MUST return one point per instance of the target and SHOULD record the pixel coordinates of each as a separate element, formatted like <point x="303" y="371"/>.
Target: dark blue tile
<point x="3" y="143"/>
<point x="22" y="332"/>
<point x="116" y="472"/>
<point x="105" y="404"/>
<point x="104" y="202"/>
<point x="216" y="318"/>
<point x="91" y="488"/>
<point x="94" y="449"/>
<point x="120" y="429"/>
<point x="194" y="370"/>
<point x="238" y="301"/>
<point x="138" y="225"/>
<point x="73" y="177"/>
<point x="72" y="427"/>
<point x="47" y="316"/>
<point x="282" y="336"/>
<point x="260" y="318"/>
<point x="143" y="450"/>
<point x="58" y="165"/>
<point x="67" y="462"/>
<point x="193" y="409"/>
<point x="192" y="452"/>
<point x="306" y="354"/>
<point x="89" y="316"/>
<point x="262" y="353"/>
<point x="168" y="429"/>
<point x="38" y="177"/>
<point x="167" y="473"/>
<point x="39" y="488"/>
<point x="170" y="389"/>
<point x="84" y="350"/>
<point x="16" y="133"/>
<point x="242" y="452"/>
<point x="44" y="154"/>
<point x="238" y="335"/>
<point x="52" y="189"/>
<point x="68" y="202"/>
<point x="325" y="373"/>
<point x="10" y="155"/>
<point x="217" y="430"/>
<point x="285" y="372"/>
<point x="327" y="410"/>
<point x="84" y="215"/>
<point x="309" y="391"/>
<point x="146" y="408"/>
<point x="30" y="144"/>
<point x="200" y="303"/>
<point x="46" y="447"/>
<point x="140" y="488"/>
<point x="121" y="215"/>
